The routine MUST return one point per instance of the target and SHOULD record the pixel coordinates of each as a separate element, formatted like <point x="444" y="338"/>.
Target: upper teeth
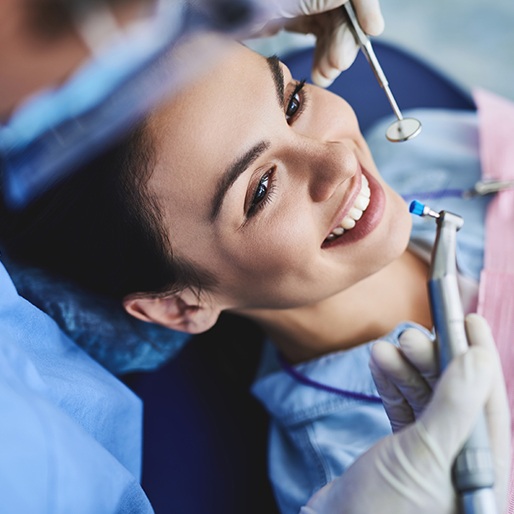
<point x="355" y="213"/>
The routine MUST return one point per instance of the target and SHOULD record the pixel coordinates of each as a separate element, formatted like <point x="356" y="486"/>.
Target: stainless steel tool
<point x="402" y="129"/>
<point x="473" y="471"/>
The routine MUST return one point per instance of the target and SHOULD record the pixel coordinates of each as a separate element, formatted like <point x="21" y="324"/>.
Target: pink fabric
<point x="496" y="289"/>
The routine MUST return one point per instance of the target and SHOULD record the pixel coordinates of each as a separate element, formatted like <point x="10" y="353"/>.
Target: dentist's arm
<point x="336" y="48"/>
<point x="410" y="471"/>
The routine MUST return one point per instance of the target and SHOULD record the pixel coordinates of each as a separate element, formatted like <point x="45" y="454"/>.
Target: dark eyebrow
<point x="232" y="173"/>
<point x="240" y="165"/>
<point x="278" y="77"/>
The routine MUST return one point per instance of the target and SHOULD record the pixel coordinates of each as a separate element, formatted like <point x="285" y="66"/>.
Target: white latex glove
<point x="409" y="471"/>
<point x="336" y="47"/>
<point x="405" y="377"/>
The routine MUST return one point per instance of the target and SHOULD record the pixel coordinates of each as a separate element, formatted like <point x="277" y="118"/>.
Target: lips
<point x="360" y="214"/>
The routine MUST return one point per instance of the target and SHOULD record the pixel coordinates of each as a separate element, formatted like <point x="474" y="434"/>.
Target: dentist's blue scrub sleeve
<point x="70" y="432"/>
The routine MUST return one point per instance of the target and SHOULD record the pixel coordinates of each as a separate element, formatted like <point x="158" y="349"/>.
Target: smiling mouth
<point x="354" y="214"/>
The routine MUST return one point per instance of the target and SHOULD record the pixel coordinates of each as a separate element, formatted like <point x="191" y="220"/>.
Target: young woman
<point x="253" y="193"/>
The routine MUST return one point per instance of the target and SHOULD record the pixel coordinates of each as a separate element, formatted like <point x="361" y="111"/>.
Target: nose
<point x="325" y="166"/>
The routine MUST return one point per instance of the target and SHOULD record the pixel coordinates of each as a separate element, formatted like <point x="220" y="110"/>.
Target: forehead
<point x="213" y="120"/>
<point x="225" y="92"/>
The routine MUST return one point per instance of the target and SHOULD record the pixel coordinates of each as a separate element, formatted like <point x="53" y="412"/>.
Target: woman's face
<point x="268" y="184"/>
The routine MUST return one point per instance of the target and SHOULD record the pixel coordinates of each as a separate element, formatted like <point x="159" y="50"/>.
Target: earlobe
<point x="182" y="311"/>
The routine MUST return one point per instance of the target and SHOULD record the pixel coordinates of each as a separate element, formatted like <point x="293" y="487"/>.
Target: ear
<point x="180" y="311"/>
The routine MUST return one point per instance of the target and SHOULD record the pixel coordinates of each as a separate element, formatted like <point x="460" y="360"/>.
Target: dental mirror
<point x="402" y="129"/>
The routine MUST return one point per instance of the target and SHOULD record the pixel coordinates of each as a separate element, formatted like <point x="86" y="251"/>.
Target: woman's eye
<point x="262" y="193"/>
<point x="296" y="102"/>
<point x="261" y="190"/>
<point x="294" y="105"/>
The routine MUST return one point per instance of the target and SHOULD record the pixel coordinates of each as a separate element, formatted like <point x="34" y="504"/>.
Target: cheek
<point x="278" y="247"/>
<point x="275" y="258"/>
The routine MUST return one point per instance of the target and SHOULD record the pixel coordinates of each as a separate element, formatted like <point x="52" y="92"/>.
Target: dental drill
<point x="473" y="472"/>
<point x="402" y="129"/>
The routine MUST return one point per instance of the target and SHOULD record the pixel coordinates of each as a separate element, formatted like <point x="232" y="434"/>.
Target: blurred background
<point x="472" y="41"/>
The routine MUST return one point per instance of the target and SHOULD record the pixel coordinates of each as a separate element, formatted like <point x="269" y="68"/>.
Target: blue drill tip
<point x="416" y="207"/>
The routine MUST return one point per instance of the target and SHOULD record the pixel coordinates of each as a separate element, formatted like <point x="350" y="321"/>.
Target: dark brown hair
<point x="101" y="228"/>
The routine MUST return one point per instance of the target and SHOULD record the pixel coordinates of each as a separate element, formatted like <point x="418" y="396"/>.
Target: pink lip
<point x="370" y="219"/>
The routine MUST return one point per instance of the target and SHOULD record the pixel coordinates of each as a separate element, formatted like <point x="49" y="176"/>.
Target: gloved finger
<point x="421" y="352"/>
<point x="439" y="433"/>
<point x="370" y="16"/>
<point x="368" y="12"/>
<point x="335" y="52"/>
<point x="410" y="471"/>
<point x="404" y="390"/>
<point x="458" y="398"/>
<point x="336" y="47"/>
<point x="479" y="332"/>
<point x="396" y="406"/>
<point x="295" y="8"/>
<point x="497" y="408"/>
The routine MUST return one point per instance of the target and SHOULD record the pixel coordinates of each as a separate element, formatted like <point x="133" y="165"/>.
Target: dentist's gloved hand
<point x="409" y="471"/>
<point x="336" y="47"/>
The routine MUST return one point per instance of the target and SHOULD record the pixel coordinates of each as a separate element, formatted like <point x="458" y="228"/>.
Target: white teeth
<point x="355" y="213"/>
<point x="361" y="202"/>
<point x="347" y="223"/>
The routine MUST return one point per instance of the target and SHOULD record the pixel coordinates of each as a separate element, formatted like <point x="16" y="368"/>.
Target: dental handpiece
<point x="473" y="471"/>
<point x="404" y="128"/>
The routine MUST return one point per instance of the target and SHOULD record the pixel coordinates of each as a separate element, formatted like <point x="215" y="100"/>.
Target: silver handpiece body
<point x="473" y="471"/>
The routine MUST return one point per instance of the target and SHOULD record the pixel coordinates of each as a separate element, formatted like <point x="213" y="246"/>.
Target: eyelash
<point x="257" y="205"/>
<point x="299" y="96"/>
<point x="299" y="92"/>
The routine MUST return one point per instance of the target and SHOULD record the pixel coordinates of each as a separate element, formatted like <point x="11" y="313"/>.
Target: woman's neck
<point x="366" y="311"/>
